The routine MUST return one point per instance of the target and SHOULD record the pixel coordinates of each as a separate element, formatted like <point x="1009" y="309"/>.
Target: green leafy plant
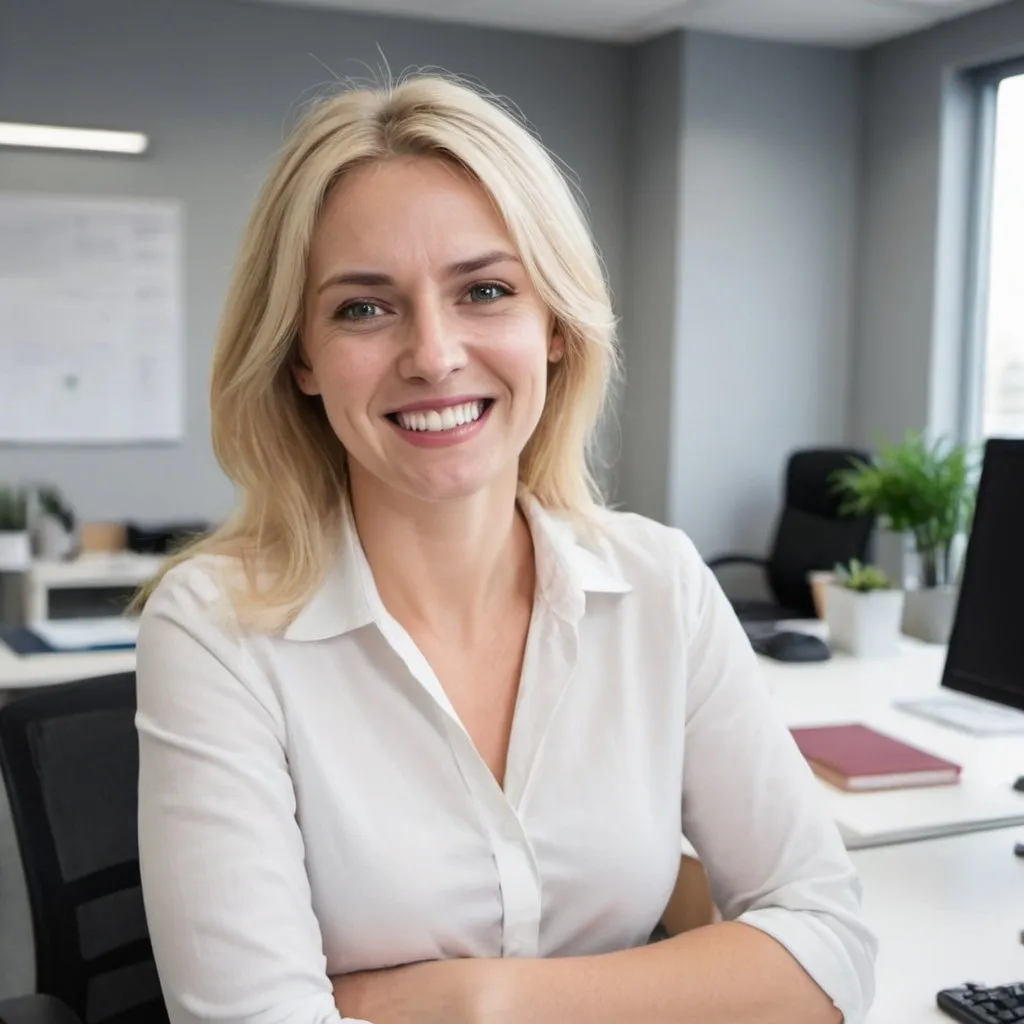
<point x="13" y="509"/>
<point x="916" y="487"/>
<point x="862" y="578"/>
<point x="53" y="503"/>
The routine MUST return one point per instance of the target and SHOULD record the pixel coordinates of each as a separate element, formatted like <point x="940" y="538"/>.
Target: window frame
<point x="985" y="82"/>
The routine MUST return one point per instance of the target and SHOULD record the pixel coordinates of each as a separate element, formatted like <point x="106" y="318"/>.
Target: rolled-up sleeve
<point x="753" y="811"/>
<point x="226" y="892"/>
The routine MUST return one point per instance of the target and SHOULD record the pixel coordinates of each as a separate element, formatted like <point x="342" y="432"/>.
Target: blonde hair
<point x="274" y="442"/>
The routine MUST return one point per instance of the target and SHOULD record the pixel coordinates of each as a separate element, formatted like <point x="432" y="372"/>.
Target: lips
<point x="440" y="417"/>
<point x="438" y="428"/>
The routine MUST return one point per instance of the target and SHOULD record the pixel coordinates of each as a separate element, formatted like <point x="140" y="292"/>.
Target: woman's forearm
<point x="716" y="975"/>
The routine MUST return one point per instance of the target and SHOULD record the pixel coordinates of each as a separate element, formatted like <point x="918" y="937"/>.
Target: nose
<point x="433" y="349"/>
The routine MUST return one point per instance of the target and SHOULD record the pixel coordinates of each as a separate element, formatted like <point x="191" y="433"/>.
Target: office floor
<point x="17" y="973"/>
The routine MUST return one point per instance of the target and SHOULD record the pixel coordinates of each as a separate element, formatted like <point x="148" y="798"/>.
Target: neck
<point x="448" y="567"/>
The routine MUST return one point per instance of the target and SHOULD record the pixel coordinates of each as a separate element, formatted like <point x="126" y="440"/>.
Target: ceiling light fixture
<point x="93" y="140"/>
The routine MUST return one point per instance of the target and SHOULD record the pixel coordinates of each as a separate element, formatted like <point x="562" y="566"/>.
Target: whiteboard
<point x="90" y="320"/>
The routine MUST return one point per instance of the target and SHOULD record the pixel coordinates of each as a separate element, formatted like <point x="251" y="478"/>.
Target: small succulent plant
<point x="862" y="578"/>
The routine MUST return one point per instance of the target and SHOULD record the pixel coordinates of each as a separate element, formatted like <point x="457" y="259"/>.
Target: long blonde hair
<point x="274" y="442"/>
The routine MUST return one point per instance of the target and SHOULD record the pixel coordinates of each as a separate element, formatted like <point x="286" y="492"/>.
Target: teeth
<point x="448" y="418"/>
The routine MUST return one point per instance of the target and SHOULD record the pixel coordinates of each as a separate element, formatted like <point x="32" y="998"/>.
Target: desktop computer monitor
<point x="986" y="648"/>
<point x="985" y="658"/>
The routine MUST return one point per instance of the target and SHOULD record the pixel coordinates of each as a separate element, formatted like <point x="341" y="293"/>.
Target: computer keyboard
<point x="975" y="1004"/>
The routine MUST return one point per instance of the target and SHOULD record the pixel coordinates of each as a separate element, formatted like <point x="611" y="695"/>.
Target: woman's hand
<point x="436" y="992"/>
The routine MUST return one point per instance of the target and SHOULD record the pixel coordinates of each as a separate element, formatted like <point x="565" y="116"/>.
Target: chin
<point x="454" y="483"/>
<point x="440" y="475"/>
<point x="447" y="490"/>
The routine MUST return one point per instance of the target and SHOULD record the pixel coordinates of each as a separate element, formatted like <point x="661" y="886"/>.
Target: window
<point x="997" y="408"/>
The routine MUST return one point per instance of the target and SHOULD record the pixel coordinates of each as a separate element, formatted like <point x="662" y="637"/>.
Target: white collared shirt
<point x="310" y="804"/>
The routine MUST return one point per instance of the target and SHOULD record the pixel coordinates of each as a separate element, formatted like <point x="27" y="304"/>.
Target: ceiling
<point x="844" y="23"/>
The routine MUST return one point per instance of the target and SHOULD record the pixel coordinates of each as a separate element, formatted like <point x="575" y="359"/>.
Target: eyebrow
<point x="373" y="278"/>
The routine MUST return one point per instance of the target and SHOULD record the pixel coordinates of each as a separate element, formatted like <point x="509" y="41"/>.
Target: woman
<point x="422" y="725"/>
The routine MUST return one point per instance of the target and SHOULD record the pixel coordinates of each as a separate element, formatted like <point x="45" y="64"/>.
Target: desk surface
<point x="844" y="689"/>
<point x="946" y="911"/>
<point x="18" y="673"/>
<point x="848" y="689"/>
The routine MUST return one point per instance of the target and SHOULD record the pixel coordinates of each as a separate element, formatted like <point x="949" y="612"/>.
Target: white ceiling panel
<point x="845" y="23"/>
<point x="587" y="19"/>
<point x="824" y="22"/>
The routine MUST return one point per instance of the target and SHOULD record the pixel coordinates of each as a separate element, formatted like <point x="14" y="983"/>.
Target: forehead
<point x="404" y="210"/>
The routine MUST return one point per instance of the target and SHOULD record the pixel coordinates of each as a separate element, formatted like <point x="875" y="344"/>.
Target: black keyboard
<point x="975" y="1004"/>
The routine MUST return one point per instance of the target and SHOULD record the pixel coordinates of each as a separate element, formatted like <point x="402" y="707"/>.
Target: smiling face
<point x="422" y="332"/>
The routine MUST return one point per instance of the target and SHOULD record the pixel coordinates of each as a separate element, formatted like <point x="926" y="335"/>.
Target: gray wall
<point x="770" y="156"/>
<point x="650" y="307"/>
<point x="738" y="321"/>
<point x="914" y="205"/>
<point x="214" y="82"/>
<point x="721" y="175"/>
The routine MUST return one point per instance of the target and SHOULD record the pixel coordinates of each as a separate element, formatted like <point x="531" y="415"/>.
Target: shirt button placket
<point x="518" y="875"/>
<point x="520" y="888"/>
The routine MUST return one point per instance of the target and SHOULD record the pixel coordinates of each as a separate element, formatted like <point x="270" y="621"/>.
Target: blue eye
<point x="489" y="291"/>
<point x="358" y="311"/>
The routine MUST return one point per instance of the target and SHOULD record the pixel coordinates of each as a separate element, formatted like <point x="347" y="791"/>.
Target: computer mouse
<point x="792" y="646"/>
<point x="1019" y="784"/>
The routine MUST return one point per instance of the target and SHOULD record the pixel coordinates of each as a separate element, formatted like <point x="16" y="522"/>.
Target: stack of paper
<point x="87" y="634"/>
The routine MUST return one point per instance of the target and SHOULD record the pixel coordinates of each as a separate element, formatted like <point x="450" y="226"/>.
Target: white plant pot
<point x="866" y="625"/>
<point x="929" y="613"/>
<point x="53" y="542"/>
<point x="15" y="550"/>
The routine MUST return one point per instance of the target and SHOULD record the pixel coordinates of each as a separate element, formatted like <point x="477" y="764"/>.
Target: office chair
<point x="36" y="1010"/>
<point x="70" y="759"/>
<point x="811" y="533"/>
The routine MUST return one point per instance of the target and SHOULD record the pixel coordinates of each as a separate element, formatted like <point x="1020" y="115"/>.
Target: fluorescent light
<point x="44" y="136"/>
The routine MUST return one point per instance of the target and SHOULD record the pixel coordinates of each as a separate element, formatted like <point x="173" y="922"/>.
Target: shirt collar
<point x="347" y="597"/>
<point x="572" y="561"/>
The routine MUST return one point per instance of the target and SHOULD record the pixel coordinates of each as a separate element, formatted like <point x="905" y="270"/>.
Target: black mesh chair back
<point x="70" y="760"/>
<point x="812" y="533"/>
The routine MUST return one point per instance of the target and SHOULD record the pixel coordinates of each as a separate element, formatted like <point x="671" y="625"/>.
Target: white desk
<point x="848" y="689"/>
<point x="844" y="689"/>
<point x="19" y="673"/>
<point x="946" y="911"/>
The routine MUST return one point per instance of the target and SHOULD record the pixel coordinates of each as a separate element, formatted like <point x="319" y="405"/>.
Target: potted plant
<point x="863" y="611"/>
<point x="15" y="549"/>
<point x="924" y="491"/>
<point x="54" y="526"/>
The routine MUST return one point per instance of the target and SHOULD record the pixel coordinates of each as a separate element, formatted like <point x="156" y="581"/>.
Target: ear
<point x="303" y="374"/>
<point x="556" y="347"/>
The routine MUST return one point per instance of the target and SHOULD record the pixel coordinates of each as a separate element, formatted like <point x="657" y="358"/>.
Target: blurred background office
<point x="812" y="220"/>
<point x="781" y="190"/>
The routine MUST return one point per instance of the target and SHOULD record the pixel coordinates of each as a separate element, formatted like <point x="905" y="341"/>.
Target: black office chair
<point x="36" y="1010"/>
<point x="70" y="758"/>
<point x="811" y="533"/>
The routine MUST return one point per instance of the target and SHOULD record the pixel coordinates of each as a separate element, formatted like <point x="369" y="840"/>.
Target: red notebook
<point x="854" y="757"/>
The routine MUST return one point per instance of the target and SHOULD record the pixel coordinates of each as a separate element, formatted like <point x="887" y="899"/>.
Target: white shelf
<point x="96" y="570"/>
<point x="92" y="571"/>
